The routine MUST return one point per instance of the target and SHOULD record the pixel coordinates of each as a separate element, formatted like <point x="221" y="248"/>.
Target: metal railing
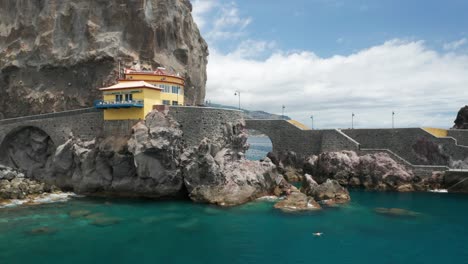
<point x="118" y="104"/>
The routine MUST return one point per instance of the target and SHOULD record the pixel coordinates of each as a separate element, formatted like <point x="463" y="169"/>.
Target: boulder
<point x="296" y="202"/>
<point x="377" y="171"/>
<point x="328" y="192"/>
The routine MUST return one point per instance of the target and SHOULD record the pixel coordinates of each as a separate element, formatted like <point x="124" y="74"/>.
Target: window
<point x="167" y="88"/>
<point x="175" y="103"/>
<point x="175" y="89"/>
<point x="166" y="102"/>
<point x="129" y="97"/>
<point x="118" y="98"/>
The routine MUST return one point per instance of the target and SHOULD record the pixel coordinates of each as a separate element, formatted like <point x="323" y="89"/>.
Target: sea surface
<point x="90" y="230"/>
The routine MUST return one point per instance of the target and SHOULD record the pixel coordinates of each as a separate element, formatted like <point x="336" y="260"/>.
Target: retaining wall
<point x="200" y="122"/>
<point x="461" y="135"/>
<point x="401" y="142"/>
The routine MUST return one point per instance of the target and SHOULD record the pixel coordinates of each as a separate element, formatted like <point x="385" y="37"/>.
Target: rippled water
<point x="85" y="230"/>
<point x="182" y="232"/>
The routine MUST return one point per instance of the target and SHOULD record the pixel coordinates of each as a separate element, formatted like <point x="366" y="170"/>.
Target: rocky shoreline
<point x="155" y="162"/>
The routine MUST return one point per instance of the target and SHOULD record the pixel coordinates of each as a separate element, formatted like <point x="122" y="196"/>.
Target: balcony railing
<point x="101" y="104"/>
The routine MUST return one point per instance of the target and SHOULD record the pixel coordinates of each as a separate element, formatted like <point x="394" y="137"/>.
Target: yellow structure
<point x="437" y="132"/>
<point x="134" y="96"/>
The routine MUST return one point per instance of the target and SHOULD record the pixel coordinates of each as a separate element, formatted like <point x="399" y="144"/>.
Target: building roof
<point x="129" y="85"/>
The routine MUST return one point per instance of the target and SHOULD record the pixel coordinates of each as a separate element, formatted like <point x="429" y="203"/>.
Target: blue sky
<point x="334" y="57"/>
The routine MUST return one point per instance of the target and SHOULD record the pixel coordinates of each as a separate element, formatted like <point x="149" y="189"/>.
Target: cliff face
<point x="461" y="122"/>
<point x="54" y="54"/>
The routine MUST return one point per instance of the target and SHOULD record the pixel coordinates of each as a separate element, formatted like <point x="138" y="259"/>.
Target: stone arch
<point x="260" y="145"/>
<point x="29" y="148"/>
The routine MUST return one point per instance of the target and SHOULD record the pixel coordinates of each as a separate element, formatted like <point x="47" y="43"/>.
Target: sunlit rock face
<point x="54" y="54"/>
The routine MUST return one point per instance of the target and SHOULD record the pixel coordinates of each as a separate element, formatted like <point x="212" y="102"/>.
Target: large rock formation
<point x="372" y="171"/>
<point x="155" y="162"/>
<point x="54" y="54"/>
<point x="461" y="122"/>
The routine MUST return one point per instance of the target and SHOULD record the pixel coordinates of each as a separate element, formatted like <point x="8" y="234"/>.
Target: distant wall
<point x="402" y="142"/>
<point x="288" y="137"/>
<point x="200" y="122"/>
<point x="461" y="135"/>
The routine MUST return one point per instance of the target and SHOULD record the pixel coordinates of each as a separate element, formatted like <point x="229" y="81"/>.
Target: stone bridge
<point x="414" y="147"/>
<point x="88" y="123"/>
<point x="84" y="123"/>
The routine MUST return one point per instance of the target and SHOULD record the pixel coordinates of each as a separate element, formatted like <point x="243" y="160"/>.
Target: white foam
<point x="41" y="199"/>
<point x="439" y="191"/>
<point x="269" y="198"/>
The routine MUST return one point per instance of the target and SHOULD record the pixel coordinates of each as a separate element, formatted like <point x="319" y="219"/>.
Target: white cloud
<point x="220" y="21"/>
<point x="455" y="44"/>
<point x="424" y="87"/>
<point x="200" y="10"/>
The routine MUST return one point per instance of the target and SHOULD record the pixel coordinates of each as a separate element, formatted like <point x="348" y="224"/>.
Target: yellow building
<point x="134" y="96"/>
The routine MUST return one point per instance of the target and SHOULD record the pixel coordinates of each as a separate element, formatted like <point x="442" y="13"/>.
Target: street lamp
<point x="393" y="119"/>
<point x="282" y="113"/>
<point x="238" y="94"/>
<point x="352" y="120"/>
<point x="312" y="124"/>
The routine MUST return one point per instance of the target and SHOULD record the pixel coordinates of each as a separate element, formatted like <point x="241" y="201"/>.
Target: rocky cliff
<point x="461" y="122"/>
<point x="54" y="54"/>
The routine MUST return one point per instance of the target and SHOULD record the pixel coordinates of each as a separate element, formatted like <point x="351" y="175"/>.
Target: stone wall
<point x="200" y="122"/>
<point x="403" y="142"/>
<point x="287" y="137"/>
<point x="84" y="123"/>
<point x="461" y="135"/>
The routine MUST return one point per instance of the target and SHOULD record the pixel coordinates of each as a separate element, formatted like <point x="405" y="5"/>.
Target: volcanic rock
<point x="296" y="202"/>
<point x="461" y="122"/>
<point x="54" y="54"/>
<point x="330" y="191"/>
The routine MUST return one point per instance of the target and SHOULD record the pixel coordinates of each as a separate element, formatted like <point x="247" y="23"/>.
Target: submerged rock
<point x="79" y="213"/>
<point x="396" y="212"/>
<point x="296" y="202"/>
<point x="44" y="230"/>
<point x="106" y="221"/>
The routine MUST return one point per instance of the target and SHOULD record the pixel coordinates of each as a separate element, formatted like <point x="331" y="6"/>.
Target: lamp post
<point x="393" y="119"/>
<point x="352" y="120"/>
<point x="282" y="112"/>
<point x="312" y="123"/>
<point x="238" y="94"/>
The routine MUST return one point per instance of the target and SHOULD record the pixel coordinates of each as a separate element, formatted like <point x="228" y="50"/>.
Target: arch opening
<point x="27" y="148"/>
<point x="260" y="145"/>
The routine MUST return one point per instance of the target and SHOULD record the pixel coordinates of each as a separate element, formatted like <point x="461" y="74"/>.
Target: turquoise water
<point x="183" y="232"/>
<point x="143" y="231"/>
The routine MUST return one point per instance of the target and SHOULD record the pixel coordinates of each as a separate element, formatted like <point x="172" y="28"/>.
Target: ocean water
<point x="98" y="230"/>
<point x="259" y="147"/>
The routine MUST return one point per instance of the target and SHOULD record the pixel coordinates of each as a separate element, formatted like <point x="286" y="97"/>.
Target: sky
<point x="332" y="58"/>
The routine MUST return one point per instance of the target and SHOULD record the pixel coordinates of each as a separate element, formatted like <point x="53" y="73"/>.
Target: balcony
<point x="101" y="104"/>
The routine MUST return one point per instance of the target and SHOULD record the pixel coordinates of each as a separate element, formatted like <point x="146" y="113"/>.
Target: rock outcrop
<point x="217" y="172"/>
<point x="372" y="171"/>
<point x="329" y="192"/>
<point x="461" y="122"/>
<point x="154" y="162"/>
<point x="54" y="54"/>
<point x="297" y="202"/>
<point x="14" y="185"/>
